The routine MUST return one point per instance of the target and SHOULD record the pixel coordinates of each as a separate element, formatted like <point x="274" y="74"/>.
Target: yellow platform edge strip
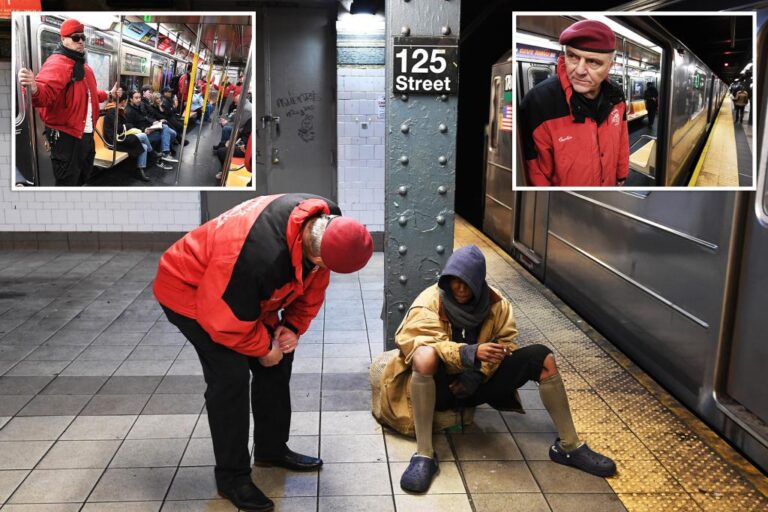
<point x="703" y="157"/>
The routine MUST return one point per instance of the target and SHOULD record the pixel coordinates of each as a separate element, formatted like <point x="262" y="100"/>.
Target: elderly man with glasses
<point x="67" y="98"/>
<point x="573" y="125"/>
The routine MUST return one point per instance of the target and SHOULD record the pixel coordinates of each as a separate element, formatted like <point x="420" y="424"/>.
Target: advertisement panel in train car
<point x="426" y="65"/>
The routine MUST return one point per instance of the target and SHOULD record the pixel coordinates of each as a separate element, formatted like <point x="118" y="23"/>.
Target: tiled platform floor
<point x="101" y="409"/>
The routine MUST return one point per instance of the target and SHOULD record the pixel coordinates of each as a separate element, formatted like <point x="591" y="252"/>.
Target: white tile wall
<point x="361" y="150"/>
<point x="139" y="210"/>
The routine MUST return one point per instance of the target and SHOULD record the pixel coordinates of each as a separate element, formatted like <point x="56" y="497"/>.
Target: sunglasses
<point x="77" y="37"/>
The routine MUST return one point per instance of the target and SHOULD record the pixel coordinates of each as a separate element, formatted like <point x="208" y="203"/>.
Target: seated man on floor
<point x="457" y="350"/>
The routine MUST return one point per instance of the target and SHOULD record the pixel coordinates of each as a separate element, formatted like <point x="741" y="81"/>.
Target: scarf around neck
<point x="467" y="316"/>
<point x="78" y="73"/>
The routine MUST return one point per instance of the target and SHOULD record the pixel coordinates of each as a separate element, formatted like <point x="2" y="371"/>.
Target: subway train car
<point x="144" y="60"/>
<point x="497" y="221"/>
<point x="690" y="94"/>
<point x="675" y="280"/>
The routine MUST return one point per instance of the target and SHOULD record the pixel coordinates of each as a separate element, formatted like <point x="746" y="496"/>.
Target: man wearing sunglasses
<point x="67" y="98"/>
<point x="573" y="125"/>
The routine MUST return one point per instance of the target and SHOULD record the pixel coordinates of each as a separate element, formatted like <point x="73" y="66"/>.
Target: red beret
<point x="346" y="245"/>
<point x="71" y="26"/>
<point x="590" y="36"/>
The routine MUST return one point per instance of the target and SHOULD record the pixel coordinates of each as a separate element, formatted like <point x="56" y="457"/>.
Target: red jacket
<point x="567" y="142"/>
<point x="235" y="273"/>
<point x="60" y="111"/>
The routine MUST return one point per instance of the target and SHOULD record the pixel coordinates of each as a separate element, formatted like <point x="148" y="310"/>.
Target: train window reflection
<point x="49" y="40"/>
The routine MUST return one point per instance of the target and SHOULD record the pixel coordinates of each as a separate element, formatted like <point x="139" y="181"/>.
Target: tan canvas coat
<point x="426" y="323"/>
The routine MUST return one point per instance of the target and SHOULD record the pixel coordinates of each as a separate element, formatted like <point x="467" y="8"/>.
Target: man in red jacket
<point x="242" y="289"/>
<point x="574" y="125"/>
<point x="67" y="99"/>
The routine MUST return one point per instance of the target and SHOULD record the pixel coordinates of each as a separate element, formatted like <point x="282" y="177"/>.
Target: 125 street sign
<point x="426" y="65"/>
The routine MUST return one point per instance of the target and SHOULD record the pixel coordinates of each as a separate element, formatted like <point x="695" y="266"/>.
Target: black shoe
<point x="583" y="458"/>
<point x="289" y="460"/>
<point x="186" y="142"/>
<point x="163" y="166"/>
<point x="140" y="175"/>
<point x="172" y="152"/>
<point x="216" y="147"/>
<point x="418" y="476"/>
<point x="248" y="497"/>
<point x="168" y="158"/>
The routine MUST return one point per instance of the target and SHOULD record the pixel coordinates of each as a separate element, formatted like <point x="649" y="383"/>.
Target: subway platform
<point x="726" y="160"/>
<point x="101" y="408"/>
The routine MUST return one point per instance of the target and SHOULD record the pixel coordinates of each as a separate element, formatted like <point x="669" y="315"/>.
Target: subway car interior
<point x="139" y="52"/>
<point x="691" y="80"/>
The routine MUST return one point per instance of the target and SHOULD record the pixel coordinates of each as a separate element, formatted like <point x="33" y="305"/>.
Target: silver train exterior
<point x="36" y="37"/>
<point x="498" y="154"/>
<point x="676" y="280"/>
<point x="687" y="109"/>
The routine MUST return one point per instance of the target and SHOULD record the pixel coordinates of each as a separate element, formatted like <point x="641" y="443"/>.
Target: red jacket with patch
<point x="237" y="272"/>
<point x="66" y="111"/>
<point x="567" y="141"/>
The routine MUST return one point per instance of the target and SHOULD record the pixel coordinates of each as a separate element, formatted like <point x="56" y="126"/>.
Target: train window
<point x="99" y="62"/>
<point x="49" y="40"/>
<point x="538" y="75"/>
<point x="493" y="137"/>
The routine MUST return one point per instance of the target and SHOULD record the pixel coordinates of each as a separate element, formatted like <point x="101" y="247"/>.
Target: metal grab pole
<point x="207" y="92"/>
<point x="190" y="90"/>
<point x="238" y="117"/>
<point x="117" y="100"/>
<point x="223" y="84"/>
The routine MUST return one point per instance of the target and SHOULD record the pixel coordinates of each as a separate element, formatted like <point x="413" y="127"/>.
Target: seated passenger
<point x="243" y="135"/>
<point x="227" y="122"/>
<point x="197" y="106"/>
<point x="457" y="349"/>
<point x="163" y="134"/>
<point x="136" y="145"/>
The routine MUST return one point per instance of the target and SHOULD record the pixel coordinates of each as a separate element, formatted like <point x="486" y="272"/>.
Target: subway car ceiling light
<point x="524" y="38"/>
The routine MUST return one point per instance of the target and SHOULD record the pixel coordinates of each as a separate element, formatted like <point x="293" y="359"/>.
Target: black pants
<point x="651" y="117"/>
<point x="523" y="365"/>
<point x="739" y="113"/>
<point x="72" y="159"/>
<point x="227" y="374"/>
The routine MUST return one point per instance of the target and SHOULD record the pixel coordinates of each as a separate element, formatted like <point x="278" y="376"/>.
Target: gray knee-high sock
<point x="423" y="401"/>
<point x="555" y="399"/>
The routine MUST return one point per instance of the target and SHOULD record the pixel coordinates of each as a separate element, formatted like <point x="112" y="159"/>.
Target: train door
<point x="530" y="230"/>
<point x="499" y="198"/>
<point x="742" y="359"/>
<point x="300" y="91"/>
<point x="26" y="160"/>
<point x="44" y="40"/>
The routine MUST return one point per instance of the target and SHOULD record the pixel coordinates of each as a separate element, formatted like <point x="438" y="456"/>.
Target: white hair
<point x="316" y="232"/>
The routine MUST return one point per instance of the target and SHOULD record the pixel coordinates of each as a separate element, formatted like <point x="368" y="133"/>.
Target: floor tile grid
<point x="16" y="275"/>
<point x="52" y="257"/>
<point x="320" y="432"/>
<point x="658" y="464"/>
<point x="65" y="291"/>
<point x="95" y="394"/>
